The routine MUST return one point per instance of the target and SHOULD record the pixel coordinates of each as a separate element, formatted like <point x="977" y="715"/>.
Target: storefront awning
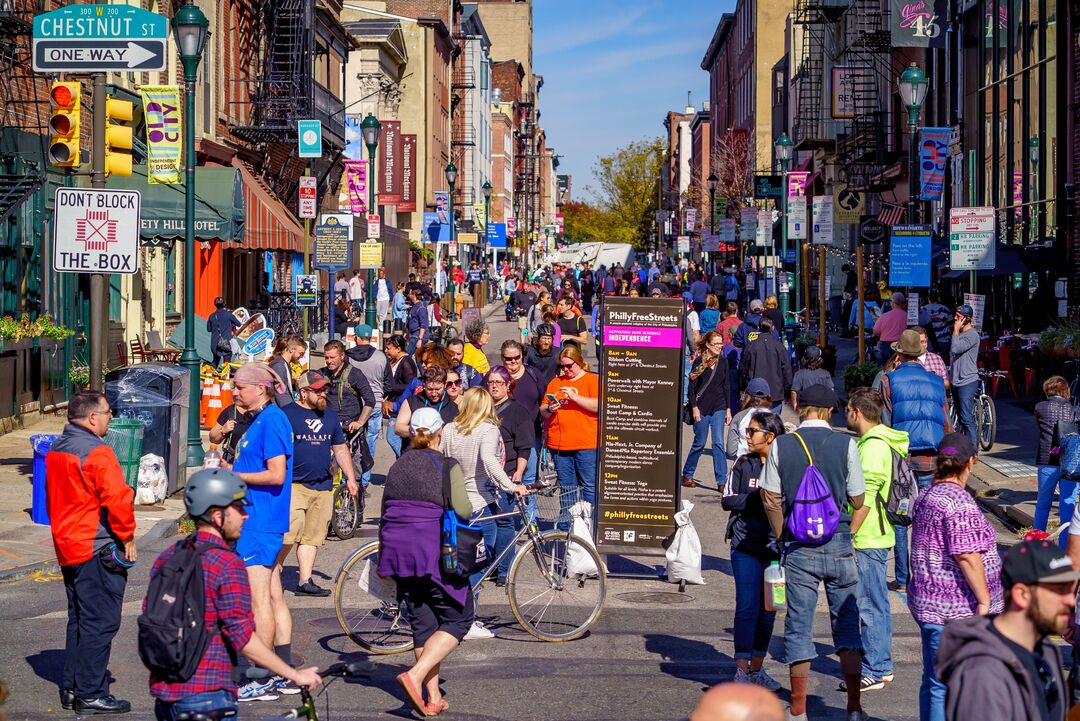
<point x="219" y="204"/>
<point x="270" y="225"/>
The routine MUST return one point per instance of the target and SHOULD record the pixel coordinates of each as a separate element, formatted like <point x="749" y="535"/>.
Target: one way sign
<point x="74" y="56"/>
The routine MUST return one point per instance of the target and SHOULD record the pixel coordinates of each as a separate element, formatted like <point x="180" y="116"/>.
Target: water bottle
<point x="775" y="587"/>
<point x="212" y="458"/>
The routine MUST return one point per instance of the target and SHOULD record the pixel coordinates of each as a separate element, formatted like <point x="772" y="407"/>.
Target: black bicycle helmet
<point x="213" y="488"/>
<point x="545" y="329"/>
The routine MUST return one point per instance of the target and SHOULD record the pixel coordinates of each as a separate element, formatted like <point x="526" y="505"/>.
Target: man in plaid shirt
<point x="931" y="361"/>
<point x="216" y="499"/>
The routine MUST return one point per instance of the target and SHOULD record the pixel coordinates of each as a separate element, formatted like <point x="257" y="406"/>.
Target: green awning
<point x="219" y="204"/>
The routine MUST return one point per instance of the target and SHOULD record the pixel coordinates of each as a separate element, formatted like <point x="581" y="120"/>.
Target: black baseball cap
<point x="1036" y="561"/>
<point x="818" y="396"/>
<point x="958" y="446"/>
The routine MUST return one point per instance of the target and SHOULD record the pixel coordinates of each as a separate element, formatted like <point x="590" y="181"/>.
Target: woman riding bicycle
<point x="438" y="606"/>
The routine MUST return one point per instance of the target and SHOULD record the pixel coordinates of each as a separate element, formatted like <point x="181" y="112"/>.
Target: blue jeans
<point x="806" y="568"/>
<point x="1051" y="482"/>
<point x="964" y="398"/>
<point x="924" y="479"/>
<point x="577" y="469"/>
<point x="931" y="691"/>
<point x="686" y="378"/>
<point x="393" y="439"/>
<point x="714" y="423"/>
<point x="374" y="425"/>
<point x="875" y="619"/>
<point x="497" y="534"/>
<point x="208" y="701"/>
<point x="753" y="624"/>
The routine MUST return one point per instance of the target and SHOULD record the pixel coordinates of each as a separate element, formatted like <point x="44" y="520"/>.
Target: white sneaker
<point x="742" y="676"/>
<point x="762" y="678"/>
<point x="478" y="632"/>
<point x="282" y="686"/>
<point x="257" y="690"/>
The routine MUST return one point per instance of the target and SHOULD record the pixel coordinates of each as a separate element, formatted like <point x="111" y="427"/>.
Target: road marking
<point x="10" y="555"/>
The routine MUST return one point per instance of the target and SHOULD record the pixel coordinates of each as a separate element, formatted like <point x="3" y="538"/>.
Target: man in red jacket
<point x="93" y="527"/>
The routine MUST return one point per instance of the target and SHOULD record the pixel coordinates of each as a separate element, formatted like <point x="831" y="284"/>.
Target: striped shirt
<point x="481" y="455"/>
<point x="948" y="523"/>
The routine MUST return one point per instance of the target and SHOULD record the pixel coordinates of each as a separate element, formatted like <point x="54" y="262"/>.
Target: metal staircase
<point x="816" y="20"/>
<point x="25" y="108"/>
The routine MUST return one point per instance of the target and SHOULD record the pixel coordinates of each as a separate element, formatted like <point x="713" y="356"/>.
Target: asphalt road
<point x="649" y="657"/>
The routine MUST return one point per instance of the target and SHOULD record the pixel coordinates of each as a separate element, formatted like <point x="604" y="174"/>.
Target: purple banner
<point x="628" y="335"/>
<point x="356" y="182"/>
<point x="933" y="154"/>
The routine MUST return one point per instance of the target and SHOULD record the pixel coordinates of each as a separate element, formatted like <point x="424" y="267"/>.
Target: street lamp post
<point x="189" y="28"/>
<point x="370" y="129"/>
<point x="913" y="87"/>
<point x="486" y="188"/>
<point x="712" y="180"/>
<point x="451" y="177"/>
<point x="1033" y="155"/>
<point x="783" y="147"/>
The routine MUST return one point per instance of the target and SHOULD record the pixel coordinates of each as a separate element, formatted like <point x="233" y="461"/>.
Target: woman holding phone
<point x="570" y="410"/>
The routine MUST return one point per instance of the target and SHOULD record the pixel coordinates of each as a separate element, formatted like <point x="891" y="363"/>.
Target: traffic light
<point x="64" y="124"/>
<point x="117" y="137"/>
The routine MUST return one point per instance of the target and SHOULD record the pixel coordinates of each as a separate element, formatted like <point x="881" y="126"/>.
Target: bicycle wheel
<point x="987" y="422"/>
<point x="954" y="418"/>
<point x="348" y="512"/>
<point x="366" y="605"/>
<point x="548" y="598"/>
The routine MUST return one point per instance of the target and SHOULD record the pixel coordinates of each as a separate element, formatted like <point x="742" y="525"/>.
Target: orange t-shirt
<point x="572" y="428"/>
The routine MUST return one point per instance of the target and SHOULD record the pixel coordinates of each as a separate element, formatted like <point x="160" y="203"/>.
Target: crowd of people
<point x="467" y="425"/>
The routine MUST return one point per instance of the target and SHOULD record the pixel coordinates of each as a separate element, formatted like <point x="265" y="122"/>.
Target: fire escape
<point x="865" y="151"/>
<point x="286" y="91"/>
<point x="814" y="127"/>
<point x="24" y="96"/>
<point x="463" y="103"/>
<point x="525" y="181"/>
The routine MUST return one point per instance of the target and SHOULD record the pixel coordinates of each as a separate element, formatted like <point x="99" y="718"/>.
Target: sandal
<point x="433" y="709"/>
<point x="413" y="694"/>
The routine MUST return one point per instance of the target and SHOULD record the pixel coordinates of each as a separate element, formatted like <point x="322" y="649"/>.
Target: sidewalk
<point x="1004" y="480"/>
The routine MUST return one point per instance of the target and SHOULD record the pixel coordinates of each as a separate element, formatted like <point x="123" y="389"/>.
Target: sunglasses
<point x="567" y="365"/>
<point x="749" y="431"/>
<point x="511" y="358"/>
<point x="453" y="384"/>
<point x="496" y="383"/>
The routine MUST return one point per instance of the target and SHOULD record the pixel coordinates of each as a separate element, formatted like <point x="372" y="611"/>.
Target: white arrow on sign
<point x="83" y="55"/>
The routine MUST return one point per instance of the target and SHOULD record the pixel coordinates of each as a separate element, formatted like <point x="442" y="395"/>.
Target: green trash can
<point x="125" y="437"/>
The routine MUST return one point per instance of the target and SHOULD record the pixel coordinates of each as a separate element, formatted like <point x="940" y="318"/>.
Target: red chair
<point x="1005" y="365"/>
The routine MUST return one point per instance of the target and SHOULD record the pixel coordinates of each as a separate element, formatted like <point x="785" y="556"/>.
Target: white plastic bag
<point x="684" y="553"/>
<point x="579" y="562"/>
<point x="153" y="483"/>
<point x="384" y="589"/>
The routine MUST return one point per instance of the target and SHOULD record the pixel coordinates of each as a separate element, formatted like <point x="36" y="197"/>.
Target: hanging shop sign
<point x="918" y="23"/>
<point x="848" y="205"/>
<point x="768" y="187"/>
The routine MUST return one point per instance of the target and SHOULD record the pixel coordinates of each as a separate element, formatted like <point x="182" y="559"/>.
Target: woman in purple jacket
<point x="437" y="605"/>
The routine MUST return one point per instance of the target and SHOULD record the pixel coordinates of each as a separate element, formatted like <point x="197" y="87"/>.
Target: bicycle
<point x="348" y="511"/>
<point x="553" y="597"/>
<point x="356" y="669"/>
<point x="984" y="413"/>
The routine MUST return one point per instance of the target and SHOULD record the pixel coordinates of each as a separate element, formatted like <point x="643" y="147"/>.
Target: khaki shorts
<point x="309" y="516"/>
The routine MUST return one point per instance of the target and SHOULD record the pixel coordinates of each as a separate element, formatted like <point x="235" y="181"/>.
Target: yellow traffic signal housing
<point x="117" y="137"/>
<point x="64" y="98"/>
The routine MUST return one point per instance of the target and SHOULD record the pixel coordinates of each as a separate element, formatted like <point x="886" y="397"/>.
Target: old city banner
<point x="933" y="152"/>
<point x="164" y="140"/>
<point x="356" y="181"/>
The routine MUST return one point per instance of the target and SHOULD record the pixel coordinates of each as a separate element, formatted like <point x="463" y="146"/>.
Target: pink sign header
<point x="628" y="335"/>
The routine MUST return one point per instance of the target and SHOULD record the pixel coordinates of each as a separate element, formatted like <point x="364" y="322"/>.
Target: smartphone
<point x="551" y="398"/>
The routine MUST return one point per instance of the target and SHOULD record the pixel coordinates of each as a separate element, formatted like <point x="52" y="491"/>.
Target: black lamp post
<point x="486" y="188"/>
<point x="451" y="177"/>
<point x="712" y="180"/>
<point x="1033" y="155"/>
<point x="370" y="129"/>
<point x="190" y="28"/>
<point x="783" y="146"/>
<point x="913" y="87"/>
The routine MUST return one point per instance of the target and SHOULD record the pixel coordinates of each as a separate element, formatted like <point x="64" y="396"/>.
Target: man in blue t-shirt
<point x="317" y="439"/>
<point x="264" y="460"/>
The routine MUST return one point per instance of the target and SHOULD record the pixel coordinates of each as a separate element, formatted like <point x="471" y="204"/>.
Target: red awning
<point x="268" y="224"/>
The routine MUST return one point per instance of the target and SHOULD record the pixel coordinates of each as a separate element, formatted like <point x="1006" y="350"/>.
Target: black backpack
<point x="172" y="630"/>
<point x="903" y="491"/>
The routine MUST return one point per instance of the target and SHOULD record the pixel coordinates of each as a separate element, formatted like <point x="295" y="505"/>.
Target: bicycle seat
<point x="212" y="715"/>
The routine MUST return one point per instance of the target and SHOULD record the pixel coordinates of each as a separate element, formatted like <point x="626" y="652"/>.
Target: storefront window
<point x="170" y="278"/>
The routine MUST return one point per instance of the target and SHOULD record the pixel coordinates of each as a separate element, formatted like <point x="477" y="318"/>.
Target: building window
<point x="170" y="278"/>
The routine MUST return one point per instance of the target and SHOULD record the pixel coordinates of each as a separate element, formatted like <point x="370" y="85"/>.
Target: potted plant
<point x="860" y="375"/>
<point x="79" y="374"/>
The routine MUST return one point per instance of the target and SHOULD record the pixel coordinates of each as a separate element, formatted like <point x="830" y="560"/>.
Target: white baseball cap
<point x="426" y="419"/>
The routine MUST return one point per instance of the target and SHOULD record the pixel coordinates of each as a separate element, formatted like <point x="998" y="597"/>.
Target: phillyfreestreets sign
<point x="96" y="231"/>
<point x="639" y="456"/>
<point x="99" y="38"/>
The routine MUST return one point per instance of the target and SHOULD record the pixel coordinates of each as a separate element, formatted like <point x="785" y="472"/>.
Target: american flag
<point x="891" y="214"/>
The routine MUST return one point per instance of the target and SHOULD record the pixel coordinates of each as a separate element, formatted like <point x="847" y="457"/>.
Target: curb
<point x="986" y="496"/>
<point x="164" y="528"/>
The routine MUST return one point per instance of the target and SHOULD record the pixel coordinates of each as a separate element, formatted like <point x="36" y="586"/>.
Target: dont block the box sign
<point x="96" y="231"/>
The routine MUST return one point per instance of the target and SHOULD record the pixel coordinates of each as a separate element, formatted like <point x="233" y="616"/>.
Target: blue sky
<point x="612" y="68"/>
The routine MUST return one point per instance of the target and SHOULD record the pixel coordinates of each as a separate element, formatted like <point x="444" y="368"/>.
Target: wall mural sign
<point x="918" y="23"/>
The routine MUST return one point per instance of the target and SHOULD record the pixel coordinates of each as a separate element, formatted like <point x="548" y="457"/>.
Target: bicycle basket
<point x="556" y="507"/>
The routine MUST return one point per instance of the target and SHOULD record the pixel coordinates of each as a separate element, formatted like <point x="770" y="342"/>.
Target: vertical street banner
<point x="933" y="152"/>
<point x="480" y="214"/>
<point x="747" y="224"/>
<point x="511" y="226"/>
<point x="637" y="490"/>
<point x="408" y="174"/>
<point x="918" y="23"/>
<point x="560" y="223"/>
<point x="442" y="206"/>
<point x="1018" y="192"/>
<point x="354" y="137"/>
<point x="356" y="181"/>
<point x="691" y="219"/>
<point x="797" y="182"/>
<point x="823" y="220"/>
<point x="388" y="183"/>
<point x="164" y="139"/>
<point x="720" y="210"/>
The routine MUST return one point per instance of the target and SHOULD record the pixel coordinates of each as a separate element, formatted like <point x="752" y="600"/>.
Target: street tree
<point x="626" y="191"/>
<point x="584" y="222"/>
